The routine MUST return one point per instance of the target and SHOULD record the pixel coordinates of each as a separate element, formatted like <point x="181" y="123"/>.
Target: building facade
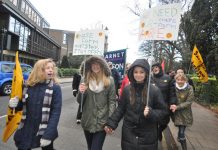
<point x="25" y="30"/>
<point x="66" y="40"/>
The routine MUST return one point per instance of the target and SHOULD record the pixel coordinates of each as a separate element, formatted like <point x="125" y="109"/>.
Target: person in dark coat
<point x="41" y="106"/>
<point x="75" y="83"/>
<point x="167" y="88"/>
<point x="117" y="79"/>
<point x="75" y="87"/>
<point x="140" y="123"/>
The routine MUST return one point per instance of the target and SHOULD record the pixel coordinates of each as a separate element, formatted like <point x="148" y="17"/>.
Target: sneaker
<point x="78" y="121"/>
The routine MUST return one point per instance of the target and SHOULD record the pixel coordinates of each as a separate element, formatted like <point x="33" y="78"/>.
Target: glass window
<point x="27" y="10"/>
<point x="11" y="24"/>
<point x="7" y="68"/>
<point x="17" y="27"/>
<point x="26" y="69"/>
<point x="23" y="5"/>
<point x="14" y="2"/>
<point x="64" y="38"/>
<point x="30" y="13"/>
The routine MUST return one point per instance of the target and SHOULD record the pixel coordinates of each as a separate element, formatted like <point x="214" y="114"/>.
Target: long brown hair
<point x="133" y="94"/>
<point x="38" y="73"/>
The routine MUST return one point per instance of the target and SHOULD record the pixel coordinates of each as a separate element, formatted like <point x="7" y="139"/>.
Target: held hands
<point x="108" y="130"/>
<point x="82" y="87"/>
<point x="13" y="102"/>
<point x="173" y="107"/>
<point x="146" y="111"/>
<point x="44" y="142"/>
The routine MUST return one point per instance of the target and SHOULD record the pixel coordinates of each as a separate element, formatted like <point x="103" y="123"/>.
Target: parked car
<point x="6" y="75"/>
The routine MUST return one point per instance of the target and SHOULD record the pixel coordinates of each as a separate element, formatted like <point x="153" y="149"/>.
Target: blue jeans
<point x="95" y="140"/>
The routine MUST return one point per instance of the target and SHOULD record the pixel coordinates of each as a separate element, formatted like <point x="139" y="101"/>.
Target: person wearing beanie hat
<point x="141" y="115"/>
<point x="167" y="88"/>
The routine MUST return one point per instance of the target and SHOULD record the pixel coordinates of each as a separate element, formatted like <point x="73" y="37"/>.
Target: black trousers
<point x="95" y="140"/>
<point x="79" y="113"/>
<point x="181" y="132"/>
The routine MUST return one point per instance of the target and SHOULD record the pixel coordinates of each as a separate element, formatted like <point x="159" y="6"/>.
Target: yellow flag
<point x="198" y="64"/>
<point x="13" y="118"/>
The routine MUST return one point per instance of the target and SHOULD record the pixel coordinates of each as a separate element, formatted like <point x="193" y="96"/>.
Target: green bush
<point x="206" y="92"/>
<point x="67" y="72"/>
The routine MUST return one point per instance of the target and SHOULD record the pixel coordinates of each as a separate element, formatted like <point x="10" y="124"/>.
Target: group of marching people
<point x="145" y="108"/>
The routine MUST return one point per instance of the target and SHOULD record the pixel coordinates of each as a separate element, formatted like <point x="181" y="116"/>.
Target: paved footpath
<point x="203" y="134"/>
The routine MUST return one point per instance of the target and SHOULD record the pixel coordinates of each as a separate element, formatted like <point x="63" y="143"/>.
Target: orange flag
<point x="13" y="118"/>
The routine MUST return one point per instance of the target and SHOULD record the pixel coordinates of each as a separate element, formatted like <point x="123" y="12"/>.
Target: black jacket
<point x="139" y="132"/>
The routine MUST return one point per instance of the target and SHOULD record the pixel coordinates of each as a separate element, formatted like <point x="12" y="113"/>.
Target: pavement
<point x="65" y="80"/>
<point x="202" y="135"/>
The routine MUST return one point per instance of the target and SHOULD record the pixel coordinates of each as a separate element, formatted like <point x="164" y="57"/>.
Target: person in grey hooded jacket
<point x="140" y="123"/>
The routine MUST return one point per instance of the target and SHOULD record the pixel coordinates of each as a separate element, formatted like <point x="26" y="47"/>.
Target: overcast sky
<point x="74" y="15"/>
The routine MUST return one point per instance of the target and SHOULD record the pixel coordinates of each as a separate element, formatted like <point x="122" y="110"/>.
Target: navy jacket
<point x="25" y="137"/>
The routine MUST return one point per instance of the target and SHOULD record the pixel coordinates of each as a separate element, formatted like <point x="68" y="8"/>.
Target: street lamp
<point x="3" y="31"/>
<point x="106" y="39"/>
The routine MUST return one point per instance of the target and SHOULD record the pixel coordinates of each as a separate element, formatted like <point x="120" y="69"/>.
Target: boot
<point x="183" y="144"/>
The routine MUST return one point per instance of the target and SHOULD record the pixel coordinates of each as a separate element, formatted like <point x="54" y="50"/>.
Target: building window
<point x="64" y="38"/>
<point x="23" y="5"/>
<point x="11" y="24"/>
<point x="14" y="2"/>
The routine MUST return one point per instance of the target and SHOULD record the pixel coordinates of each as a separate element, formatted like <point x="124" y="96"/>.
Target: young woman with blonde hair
<point x="182" y="110"/>
<point x="98" y="98"/>
<point x="41" y="106"/>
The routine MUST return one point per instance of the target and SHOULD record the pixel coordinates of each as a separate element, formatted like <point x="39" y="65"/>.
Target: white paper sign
<point x="89" y="42"/>
<point x="160" y="23"/>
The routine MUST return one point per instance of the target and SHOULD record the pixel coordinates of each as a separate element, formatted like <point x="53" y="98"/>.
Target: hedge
<point x="206" y="92"/>
<point x="67" y="72"/>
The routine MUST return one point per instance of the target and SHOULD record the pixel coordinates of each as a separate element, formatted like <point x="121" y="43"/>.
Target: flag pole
<point x="149" y="77"/>
<point x="82" y="96"/>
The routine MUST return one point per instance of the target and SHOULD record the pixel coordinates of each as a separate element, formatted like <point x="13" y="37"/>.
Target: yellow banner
<point x="198" y="64"/>
<point x="13" y="118"/>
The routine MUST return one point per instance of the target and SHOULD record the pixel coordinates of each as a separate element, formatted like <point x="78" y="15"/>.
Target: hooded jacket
<point x="97" y="107"/>
<point x="139" y="132"/>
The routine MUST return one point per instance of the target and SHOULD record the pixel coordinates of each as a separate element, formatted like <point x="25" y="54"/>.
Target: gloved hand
<point x="44" y="142"/>
<point x="75" y="92"/>
<point x="13" y="102"/>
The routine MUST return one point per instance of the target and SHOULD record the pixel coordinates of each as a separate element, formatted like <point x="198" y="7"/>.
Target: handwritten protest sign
<point x="160" y="23"/>
<point x="89" y="42"/>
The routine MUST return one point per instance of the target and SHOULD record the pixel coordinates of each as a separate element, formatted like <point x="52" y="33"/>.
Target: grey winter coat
<point x="139" y="132"/>
<point x="25" y="138"/>
<point x="183" y="114"/>
<point x="97" y="107"/>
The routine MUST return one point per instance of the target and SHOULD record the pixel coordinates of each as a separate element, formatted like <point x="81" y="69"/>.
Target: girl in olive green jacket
<point x="182" y="111"/>
<point x="98" y="98"/>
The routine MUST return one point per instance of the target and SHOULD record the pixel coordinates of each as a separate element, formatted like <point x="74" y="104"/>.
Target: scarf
<point x="183" y="87"/>
<point x="45" y="108"/>
<point x="96" y="88"/>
